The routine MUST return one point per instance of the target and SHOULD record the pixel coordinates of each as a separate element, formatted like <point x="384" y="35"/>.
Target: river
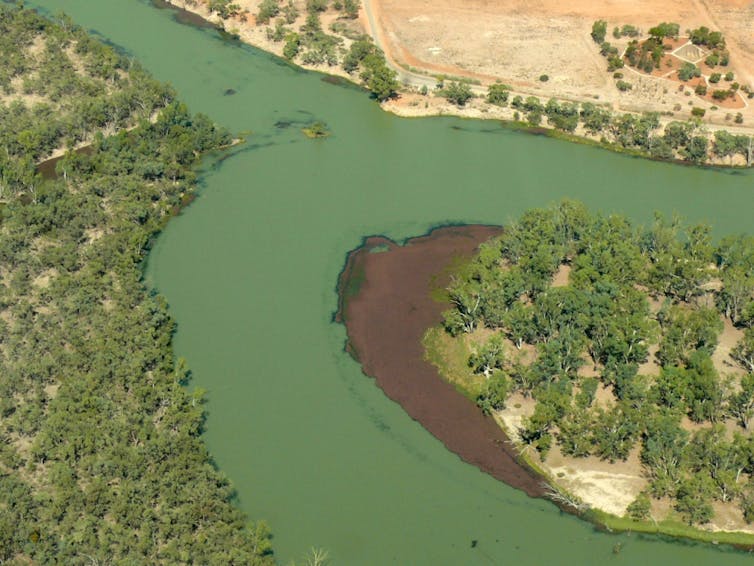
<point x="250" y="269"/>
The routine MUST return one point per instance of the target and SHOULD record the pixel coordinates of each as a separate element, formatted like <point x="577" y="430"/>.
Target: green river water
<point x="250" y="269"/>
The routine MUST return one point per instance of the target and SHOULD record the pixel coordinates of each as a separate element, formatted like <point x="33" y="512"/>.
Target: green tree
<point x="466" y="297"/>
<point x="640" y="507"/>
<point x="697" y="149"/>
<point x="574" y="433"/>
<point x="458" y="93"/>
<point x="599" y="31"/>
<point x="663" y="450"/>
<point x="494" y="394"/>
<point x="379" y="79"/>
<point x="498" y="94"/>
<point x="686" y="331"/>
<point x="615" y="432"/>
<point x="665" y="29"/>
<point x="741" y="403"/>
<point x="488" y="357"/>
<point x="743" y="351"/>
<point x="693" y="500"/>
<point x="688" y="71"/>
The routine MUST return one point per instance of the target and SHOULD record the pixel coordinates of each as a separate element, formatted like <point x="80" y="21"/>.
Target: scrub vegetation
<point x="101" y="459"/>
<point x="311" y="45"/>
<point x="621" y="355"/>
<point x="640" y="134"/>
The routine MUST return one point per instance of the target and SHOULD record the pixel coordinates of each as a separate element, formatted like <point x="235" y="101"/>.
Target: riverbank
<point x="387" y="314"/>
<point x="421" y="94"/>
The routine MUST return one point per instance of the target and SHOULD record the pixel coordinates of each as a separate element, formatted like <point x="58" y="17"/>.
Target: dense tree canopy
<point x="100" y="455"/>
<point x="639" y="318"/>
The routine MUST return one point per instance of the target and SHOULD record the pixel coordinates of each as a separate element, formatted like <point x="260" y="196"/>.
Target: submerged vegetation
<point x="613" y="331"/>
<point x="101" y="458"/>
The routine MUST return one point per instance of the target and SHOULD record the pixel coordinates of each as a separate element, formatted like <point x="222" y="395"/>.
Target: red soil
<point x="387" y="308"/>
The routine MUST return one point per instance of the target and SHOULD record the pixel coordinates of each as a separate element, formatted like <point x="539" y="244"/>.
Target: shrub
<point x="316" y="6"/>
<point x="544" y="78"/>
<point x="606" y="49"/>
<point x="665" y="29"/>
<point x="458" y="93"/>
<point x="703" y="36"/>
<point x="739" y="118"/>
<point x="532" y="104"/>
<point x="280" y="31"/>
<point x="688" y="71"/>
<point x="599" y="30"/>
<point x="701" y="90"/>
<point x="715" y="78"/>
<point x="698" y="112"/>
<point x="351" y="8"/>
<point x="498" y="94"/>
<point x="721" y="94"/>
<point x="614" y="62"/>
<point x="623" y="86"/>
<point x="292" y="46"/>
<point x="268" y="9"/>
<point x="712" y="60"/>
<point x="639" y="509"/>
<point x="729" y="76"/>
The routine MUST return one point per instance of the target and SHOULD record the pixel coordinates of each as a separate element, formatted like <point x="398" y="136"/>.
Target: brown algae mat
<point x="386" y="305"/>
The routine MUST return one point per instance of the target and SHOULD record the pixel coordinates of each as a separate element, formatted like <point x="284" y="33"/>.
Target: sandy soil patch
<point x="729" y="337"/>
<point x="517" y="408"/>
<point x="651" y="367"/>
<point x="728" y="518"/>
<point x="42" y="281"/>
<point x="562" y="275"/>
<point x="604" y="486"/>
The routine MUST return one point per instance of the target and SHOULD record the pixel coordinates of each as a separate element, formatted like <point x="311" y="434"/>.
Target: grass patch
<point x="451" y="356"/>
<point x="669" y="527"/>
<point x="458" y="265"/>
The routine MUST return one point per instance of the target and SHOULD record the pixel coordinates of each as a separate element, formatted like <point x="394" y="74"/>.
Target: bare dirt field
<point x="518" y="41"/>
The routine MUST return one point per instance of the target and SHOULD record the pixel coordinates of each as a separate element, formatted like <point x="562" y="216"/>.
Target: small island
<point x="619" y="359"/>
<point x="316" y="130"/>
